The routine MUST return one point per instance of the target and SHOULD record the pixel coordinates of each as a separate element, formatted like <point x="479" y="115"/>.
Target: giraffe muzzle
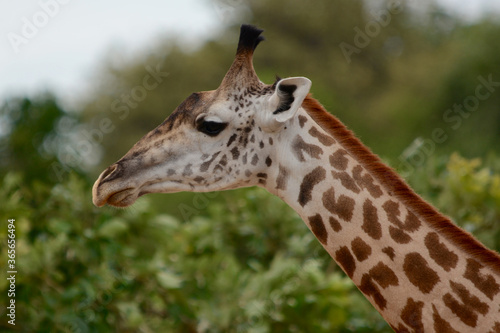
<point x="108" y="190"/>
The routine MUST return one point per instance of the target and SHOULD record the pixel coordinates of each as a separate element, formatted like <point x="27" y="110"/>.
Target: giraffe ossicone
<point x="418" y="269"/>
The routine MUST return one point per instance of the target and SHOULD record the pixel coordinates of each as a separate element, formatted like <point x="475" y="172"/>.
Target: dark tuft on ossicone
<point x="249" y="38"/>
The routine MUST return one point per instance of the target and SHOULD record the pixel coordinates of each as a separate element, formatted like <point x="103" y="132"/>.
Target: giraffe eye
<point x="211" y="128"/>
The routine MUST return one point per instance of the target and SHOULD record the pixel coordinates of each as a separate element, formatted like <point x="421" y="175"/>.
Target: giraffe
<point x="417" y="268"/>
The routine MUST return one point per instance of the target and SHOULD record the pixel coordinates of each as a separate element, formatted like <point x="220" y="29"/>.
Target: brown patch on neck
<point x="393" y="183"/>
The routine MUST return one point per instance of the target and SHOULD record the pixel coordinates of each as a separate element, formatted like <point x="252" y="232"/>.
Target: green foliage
<point x="245" y="264"/>
<point x="255" y="269"/>
<point x="467" y="190"/>
<point x="29" y="124"/>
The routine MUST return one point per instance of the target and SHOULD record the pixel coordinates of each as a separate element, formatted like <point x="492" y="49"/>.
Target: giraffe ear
<point x="285" y="101"/>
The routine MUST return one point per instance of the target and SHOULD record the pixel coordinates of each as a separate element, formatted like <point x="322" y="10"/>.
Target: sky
<point x="56" y="45"/>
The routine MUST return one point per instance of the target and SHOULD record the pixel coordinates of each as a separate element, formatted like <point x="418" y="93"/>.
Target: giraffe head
<point x="214" y="140"/>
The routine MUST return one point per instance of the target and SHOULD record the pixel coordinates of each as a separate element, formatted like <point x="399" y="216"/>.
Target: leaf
<point x="168" y="280"/>
<point x="131" y="312"/>
<point x="112" y="228"/>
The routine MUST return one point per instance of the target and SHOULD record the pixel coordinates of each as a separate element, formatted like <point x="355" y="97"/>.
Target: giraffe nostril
<point x="108" y="172"/>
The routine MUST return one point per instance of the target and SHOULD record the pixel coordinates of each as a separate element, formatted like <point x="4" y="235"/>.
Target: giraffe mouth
<point x="111" y="194"/>
<point x="122" y="198"/>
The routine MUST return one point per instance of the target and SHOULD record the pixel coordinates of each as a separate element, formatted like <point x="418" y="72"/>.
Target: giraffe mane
<point x="395" y="184"/>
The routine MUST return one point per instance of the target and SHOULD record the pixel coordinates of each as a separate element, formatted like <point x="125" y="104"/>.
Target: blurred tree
<point x="386" y="71"/>
<point x="468" y="107"/>
<point x="30" y="125"/>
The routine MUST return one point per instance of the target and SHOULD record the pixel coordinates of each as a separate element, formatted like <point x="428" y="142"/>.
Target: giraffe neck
<point x="421" y="272"/>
